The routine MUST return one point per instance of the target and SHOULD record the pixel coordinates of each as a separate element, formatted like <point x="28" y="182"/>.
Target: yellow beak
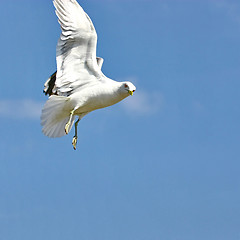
<point x="130" y="92"/>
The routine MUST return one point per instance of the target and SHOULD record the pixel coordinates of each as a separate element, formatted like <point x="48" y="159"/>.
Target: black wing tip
<point x="50" y="84"/>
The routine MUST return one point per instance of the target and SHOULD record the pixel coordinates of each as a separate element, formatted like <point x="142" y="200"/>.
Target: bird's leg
<point x="67" y="126"/>
<point x="74" y="141"/>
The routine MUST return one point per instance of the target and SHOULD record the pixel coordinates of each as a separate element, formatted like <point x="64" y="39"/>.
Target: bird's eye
<point x="125" y="85"/>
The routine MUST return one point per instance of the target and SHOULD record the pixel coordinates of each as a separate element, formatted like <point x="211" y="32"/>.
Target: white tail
<point x="55" y="115"/>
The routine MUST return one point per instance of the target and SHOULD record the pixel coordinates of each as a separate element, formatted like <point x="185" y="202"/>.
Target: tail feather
<point x="55" y="115"/>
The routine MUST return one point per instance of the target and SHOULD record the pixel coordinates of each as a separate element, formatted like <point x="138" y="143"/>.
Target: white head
<point x="128" y="87"/>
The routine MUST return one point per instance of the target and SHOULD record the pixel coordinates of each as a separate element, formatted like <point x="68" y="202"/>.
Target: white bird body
<point x="96" y="97"/>
<point x="79" y="86"/>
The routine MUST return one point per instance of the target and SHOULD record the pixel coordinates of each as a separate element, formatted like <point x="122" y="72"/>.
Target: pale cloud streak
<point x="20" y="109"/>
<point x="143" y="103"/>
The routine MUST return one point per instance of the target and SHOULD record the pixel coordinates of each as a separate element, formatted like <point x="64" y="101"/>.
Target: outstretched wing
<point x="76" y="49"/>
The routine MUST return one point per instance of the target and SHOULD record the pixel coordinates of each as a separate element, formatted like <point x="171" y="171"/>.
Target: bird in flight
<point x="78" y="87"/>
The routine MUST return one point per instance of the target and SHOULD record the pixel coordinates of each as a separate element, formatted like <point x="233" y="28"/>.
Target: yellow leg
<point x="74" y="141"/>
<point x="67" y="126"/>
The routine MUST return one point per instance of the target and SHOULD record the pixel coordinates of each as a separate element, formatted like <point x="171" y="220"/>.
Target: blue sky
<point x="163" y="164"/>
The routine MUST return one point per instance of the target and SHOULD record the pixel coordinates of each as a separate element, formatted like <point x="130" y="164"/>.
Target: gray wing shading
<point x="77" y="65"/>
<point x="100" y="62"/>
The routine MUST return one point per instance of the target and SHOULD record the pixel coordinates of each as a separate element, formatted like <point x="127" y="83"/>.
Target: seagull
<point x="78" y="87"/>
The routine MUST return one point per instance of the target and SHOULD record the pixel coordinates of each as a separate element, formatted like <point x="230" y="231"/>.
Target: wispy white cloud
<point x="144" y="103"/>
<point x="20" y="109"/>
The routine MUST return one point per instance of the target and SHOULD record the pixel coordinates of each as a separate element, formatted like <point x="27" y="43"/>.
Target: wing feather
<point x="76" y="49"/>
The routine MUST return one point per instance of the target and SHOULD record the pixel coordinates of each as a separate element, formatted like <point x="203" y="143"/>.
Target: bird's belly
<point x="97" y="102"/>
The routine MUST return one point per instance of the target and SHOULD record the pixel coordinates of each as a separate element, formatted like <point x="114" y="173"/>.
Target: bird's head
<point x="128" y="87"/>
